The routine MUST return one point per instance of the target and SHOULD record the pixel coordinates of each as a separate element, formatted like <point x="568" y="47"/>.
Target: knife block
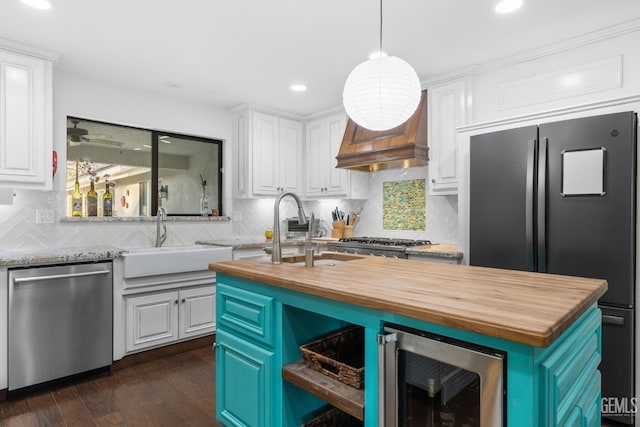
<point x="348" y="231"/>
<point x="338" y="229"/>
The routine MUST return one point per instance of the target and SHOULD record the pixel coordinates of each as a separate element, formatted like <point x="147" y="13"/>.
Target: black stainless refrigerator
<point x="561" y="198"/>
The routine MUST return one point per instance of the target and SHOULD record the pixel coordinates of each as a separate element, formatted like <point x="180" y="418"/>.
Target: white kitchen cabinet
<point x="322" y="178"/>
<point x="26" y="140"/>
<point x="165" y="317"/>
<point x="267" y="154"/>
<point x="197" y="314"/>
<point x="447" y="109"/>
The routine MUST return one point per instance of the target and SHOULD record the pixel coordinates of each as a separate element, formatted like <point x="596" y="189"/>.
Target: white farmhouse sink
<point x="153" y="261"/>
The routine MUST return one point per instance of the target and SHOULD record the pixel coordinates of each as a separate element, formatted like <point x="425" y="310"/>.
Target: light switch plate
<point x="44" y="216"/>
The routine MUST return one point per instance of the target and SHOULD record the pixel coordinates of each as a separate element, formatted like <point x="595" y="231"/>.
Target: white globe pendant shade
<point x="381" y="93"/>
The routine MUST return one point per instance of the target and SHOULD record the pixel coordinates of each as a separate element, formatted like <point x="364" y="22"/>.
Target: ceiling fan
<point x="77" y="136"/>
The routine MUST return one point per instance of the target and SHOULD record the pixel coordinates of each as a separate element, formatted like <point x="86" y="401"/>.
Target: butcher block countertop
<point x="524" y="307"/>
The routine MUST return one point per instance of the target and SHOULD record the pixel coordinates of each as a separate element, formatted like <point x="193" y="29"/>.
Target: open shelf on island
<point x="337" y="394"/>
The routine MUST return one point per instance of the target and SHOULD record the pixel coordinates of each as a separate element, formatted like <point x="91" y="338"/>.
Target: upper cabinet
<point x="447" y="108"/>
<point x="267" y="154"/>
<point x="268" y="157"/>
<point x="26" y="140"/>
<point x="322" y="178"/>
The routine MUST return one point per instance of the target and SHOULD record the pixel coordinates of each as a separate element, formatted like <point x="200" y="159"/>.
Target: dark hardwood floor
<point x="178" y="390"/>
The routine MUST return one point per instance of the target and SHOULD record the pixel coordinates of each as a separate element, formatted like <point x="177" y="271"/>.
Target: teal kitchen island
<point x="545" y="328"/>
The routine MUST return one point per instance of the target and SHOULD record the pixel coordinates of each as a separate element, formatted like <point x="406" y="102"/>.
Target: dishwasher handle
<point x="19" y="280"/>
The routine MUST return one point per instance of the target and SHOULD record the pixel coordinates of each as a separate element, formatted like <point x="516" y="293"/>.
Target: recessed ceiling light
<point x="137" y="149"/>
<point x="508" y="6"/>
<point x="146" y="146"/>
<point x="39" y="4"/>
<point x="298" y="87"/>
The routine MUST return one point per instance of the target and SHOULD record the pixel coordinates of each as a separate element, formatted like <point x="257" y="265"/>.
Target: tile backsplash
<point x="404" y="205"/>
<point x="19" y="229"/>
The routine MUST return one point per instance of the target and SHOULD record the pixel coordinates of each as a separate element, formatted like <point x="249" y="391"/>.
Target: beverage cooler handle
<point x="542" y="205"/>
<point x="531" y="149"/>
<point x="383" y="340"/>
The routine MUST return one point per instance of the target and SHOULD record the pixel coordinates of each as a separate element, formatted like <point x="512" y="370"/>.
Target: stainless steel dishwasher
<point x="60" y="322"/>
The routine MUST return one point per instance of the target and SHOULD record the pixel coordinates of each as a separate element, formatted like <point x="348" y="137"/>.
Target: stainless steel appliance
<point x="561" y="198"/>
<point x="60" y="322"/>
<point x="430" y="380"/>
<point x="378" y="246"/>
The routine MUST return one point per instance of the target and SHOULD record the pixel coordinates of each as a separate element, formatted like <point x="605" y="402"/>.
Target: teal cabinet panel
<point x="569" y="379"/>
<point x="248" y="313"/>
<point x="244" y="382"/>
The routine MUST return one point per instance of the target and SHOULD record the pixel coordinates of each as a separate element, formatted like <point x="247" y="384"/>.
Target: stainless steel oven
<point x="430" y="380"/>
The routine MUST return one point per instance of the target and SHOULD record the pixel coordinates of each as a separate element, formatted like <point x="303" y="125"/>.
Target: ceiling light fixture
<point x="298" y="87"/>
<point x="383" y="92"/>
<point x="508" y="6"/>
<point x="39" y="4"/>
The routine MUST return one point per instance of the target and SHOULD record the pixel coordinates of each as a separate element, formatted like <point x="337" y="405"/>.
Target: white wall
<point x="79" y="96"/>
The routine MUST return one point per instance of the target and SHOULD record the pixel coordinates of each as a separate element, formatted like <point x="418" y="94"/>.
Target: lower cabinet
<point x="570" y="380"/>
<point x="244" y="380"/>
<point x="164" y="317"/>
<point x="261" y="380"/>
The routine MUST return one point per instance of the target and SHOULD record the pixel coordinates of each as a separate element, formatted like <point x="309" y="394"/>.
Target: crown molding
<point x="568" y="44"/>
<point x="24" y="49"/>
<point x="267" y="110"/>
<point x="514" y="120"/>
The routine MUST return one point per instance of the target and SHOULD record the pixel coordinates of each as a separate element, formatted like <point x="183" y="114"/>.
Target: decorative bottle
<point x="92" y="201"/>
<point x="204" y="204"/>
<point x="76" y="198"/>
<point x="107" y="201"/>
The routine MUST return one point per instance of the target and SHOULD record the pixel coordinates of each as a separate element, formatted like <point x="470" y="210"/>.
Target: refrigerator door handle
<point x="531" y="150"/>
<point x="612" y="320"/>
<point x="542" y="205"/>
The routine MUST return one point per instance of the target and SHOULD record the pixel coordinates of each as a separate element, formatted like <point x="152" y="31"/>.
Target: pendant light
<point x="383" y="92"/>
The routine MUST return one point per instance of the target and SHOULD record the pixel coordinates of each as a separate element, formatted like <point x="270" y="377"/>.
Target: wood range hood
<point x="401" y="147"/>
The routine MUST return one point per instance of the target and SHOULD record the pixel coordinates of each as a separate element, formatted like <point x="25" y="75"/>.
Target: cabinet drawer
<point x="245" y="312"/>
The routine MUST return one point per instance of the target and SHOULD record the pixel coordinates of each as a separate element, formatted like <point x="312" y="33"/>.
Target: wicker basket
<point x="339" y="355"/>
<point x="334" y="418"/>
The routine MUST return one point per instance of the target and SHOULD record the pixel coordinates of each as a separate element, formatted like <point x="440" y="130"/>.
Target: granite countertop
<point x="519" y="306"/>
<point x="14" y="258"/>
<point x="441" y="250"/>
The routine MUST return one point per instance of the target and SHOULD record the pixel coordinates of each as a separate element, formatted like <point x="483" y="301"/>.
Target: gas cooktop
<point x="385" y="241"/>
<point x="382" y="246"/>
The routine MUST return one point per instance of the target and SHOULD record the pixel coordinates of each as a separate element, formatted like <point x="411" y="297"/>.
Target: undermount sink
<point x="152" y="261"/>
<point x="324" y="258"/>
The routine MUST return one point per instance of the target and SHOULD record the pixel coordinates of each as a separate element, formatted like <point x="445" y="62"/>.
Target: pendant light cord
<point x="380" y="27"/>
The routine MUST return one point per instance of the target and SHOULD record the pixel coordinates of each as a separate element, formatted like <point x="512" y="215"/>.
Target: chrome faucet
<point x="276" y="252"/>
<point x="312" y="227"/>
<point x="161" y="237"/>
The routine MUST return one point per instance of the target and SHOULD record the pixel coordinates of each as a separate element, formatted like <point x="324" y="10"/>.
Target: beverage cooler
<point x="429" y="380"/>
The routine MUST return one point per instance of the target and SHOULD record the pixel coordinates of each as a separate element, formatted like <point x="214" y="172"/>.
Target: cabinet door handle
<point x="184" y="299"/>
<point x="176" y="301"/>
